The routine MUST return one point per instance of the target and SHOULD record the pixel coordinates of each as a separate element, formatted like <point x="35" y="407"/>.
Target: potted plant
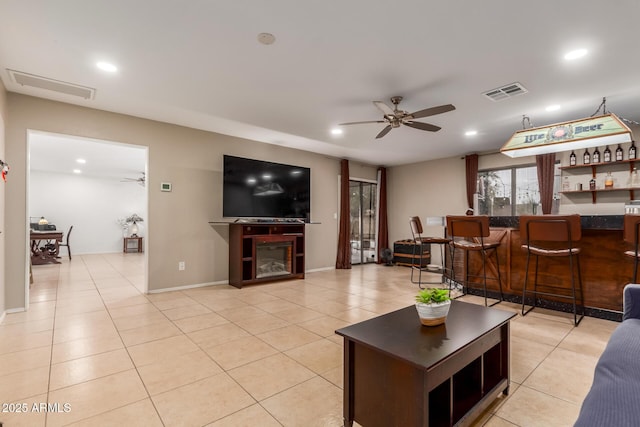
<point x="433" y="306"/>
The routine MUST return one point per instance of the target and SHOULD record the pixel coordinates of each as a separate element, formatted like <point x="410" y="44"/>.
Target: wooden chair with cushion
<point x="420" y="243"/>
<point x="468" y="234"/>
<point x="553" y="236"/>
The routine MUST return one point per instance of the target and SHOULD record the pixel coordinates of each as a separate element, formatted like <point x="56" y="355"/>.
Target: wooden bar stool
<point x="419" y="243"/>
<point x="468" y="234"/>
<point x="553" y="236"/>
<point x="631" y="232"/>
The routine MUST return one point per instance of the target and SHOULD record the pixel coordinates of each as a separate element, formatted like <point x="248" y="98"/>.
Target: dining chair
<point x="66" y="242"/>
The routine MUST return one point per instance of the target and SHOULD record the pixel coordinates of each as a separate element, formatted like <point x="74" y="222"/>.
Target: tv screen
<point x="259" y="189"/>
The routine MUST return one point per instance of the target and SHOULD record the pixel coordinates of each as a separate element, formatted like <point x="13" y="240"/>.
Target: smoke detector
<point x="266" y="38"/>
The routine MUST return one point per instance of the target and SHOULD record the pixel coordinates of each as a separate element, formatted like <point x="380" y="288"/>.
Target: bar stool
<point x="419" y="243"/>
<point x="631" y="232"/>
<point x="468" y="234"/>
<point x="552" y="236"/>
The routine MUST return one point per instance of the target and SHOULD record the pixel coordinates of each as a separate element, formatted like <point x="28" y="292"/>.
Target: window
<point x="513" y="191"/>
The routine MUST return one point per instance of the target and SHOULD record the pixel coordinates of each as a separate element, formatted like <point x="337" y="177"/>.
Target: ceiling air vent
<point x="40" y="82"/>
<point x="504" y="92"/>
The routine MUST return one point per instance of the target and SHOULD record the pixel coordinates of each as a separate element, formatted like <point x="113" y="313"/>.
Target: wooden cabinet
<point x="608" y="166"/>
<point x="263" y="252"/>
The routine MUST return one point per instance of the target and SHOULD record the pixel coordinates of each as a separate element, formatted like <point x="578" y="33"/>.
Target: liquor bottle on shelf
<point x="572" y="159"/>
<point x="596" y="156"/>
<point x="619" y="154"/>
<point x="608" y="181"/>
<point x="635" y="179"/>
<point x="586" y="158"/>
<point x="607" y="154"/>
<point x="592" y="184"/>
<point x="632" y="151"/>
<point x="566" y="186"/>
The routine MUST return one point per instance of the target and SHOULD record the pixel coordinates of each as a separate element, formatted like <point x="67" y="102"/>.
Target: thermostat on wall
<point x="165" y="186"/>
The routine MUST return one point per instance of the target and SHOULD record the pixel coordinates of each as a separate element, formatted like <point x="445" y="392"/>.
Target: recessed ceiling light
<point x="106" y="66"/>
<point x="266" y="38"/>
<point x="77" y="171"/>
<point x="266" y="176"/>
<point x="553" y="108"/>
<point x="336" y="131"/>
<point x="471" y="132"/>
<point x="251" y="181"/>
<point x="83" y="161"/>
<point x="575" y="54"/>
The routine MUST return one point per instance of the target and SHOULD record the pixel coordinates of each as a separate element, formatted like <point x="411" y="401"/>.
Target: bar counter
<point x="604" y="267"/>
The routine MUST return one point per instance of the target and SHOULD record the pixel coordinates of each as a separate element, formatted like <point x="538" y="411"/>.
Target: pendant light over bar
<point x="606" y="129"/>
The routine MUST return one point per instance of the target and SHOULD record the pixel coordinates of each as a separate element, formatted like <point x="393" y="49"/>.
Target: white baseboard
<point x="15" y="310"/>
<point x="181" y="288"/>
<point x="2" y="316"/>
<point x="315" y="270"/>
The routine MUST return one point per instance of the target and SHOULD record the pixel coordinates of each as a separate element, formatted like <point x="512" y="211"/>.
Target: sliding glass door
<point x="363" y="204"/>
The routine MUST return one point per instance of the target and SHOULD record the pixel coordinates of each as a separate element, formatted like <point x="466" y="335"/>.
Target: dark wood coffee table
<point x="400" y="373"/>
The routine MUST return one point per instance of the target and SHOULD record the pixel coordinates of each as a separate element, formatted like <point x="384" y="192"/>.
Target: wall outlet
<point x="181" y="266"/>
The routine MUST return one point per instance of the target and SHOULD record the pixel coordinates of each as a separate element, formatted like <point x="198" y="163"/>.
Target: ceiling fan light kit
<point x="394" y="117"/>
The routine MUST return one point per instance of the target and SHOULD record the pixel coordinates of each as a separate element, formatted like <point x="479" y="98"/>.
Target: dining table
<point x="45" y="246"/>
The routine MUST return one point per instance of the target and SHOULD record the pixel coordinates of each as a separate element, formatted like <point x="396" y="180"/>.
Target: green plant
<point x="428" y="296"/>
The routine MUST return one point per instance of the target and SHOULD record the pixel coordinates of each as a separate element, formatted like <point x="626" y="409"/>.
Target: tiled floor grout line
<point x="126" y="348"/>
<point x="384" y="300"/>
<point x="53" y="336"/>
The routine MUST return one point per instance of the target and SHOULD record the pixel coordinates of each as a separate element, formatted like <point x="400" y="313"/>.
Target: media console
<point x="265" y="251"/>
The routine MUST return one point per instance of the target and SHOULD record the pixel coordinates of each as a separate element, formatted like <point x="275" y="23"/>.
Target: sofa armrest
<point x="631" y="301"/>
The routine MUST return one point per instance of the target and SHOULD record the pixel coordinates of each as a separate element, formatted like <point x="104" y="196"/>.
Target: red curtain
<point x="471" y="167"/>
<point x="343" y="259"/>
<point x="383" y="231"/>
<point x="545" y="164"/>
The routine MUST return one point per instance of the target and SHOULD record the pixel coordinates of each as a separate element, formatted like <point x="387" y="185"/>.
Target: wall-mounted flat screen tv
<point x="259" y="189"/>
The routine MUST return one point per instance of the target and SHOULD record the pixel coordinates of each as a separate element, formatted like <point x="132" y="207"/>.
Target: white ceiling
<point x="199" y="64"/>
<point x="60" y="154"/>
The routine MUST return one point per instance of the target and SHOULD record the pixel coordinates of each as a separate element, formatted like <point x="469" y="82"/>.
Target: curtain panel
<point x="471" y="167"/>
<point x="343" y="259"/>
<point x="545" y="164"/>
<point x="383" y="229"/>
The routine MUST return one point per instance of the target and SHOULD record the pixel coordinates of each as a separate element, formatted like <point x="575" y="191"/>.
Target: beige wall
<point x="3" y="204"/>
<point x="427" y="189"/>
<point x="177" y="227"/>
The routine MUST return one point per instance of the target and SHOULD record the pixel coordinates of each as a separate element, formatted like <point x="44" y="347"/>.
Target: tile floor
<point x="262" y="356"/>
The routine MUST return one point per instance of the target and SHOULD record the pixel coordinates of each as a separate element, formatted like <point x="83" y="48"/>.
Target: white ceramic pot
<point x="433" y="314"/>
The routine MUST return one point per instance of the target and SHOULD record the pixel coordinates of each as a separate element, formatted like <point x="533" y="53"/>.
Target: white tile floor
<point x="264" y="355"/>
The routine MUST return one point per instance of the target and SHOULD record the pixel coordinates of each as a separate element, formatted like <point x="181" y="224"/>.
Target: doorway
<point x="363" y="209"/>
<point x="90" y="184"/>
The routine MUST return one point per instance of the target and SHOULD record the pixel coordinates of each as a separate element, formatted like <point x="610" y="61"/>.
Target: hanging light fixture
<point x="606" y="129"/>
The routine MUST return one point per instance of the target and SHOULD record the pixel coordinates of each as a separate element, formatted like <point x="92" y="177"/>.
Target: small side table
<point x="126" y="247"/>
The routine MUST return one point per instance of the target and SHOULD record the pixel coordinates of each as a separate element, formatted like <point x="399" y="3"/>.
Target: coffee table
<point x="400" y="373"/>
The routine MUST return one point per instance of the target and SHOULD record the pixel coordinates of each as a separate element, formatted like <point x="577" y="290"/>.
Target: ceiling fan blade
<point x="386" y="110"/>
<point x="384" y="132"/>
<point x="431" y="111"/>
<point x="361" y="123"/>
<point x="423" y="126"/>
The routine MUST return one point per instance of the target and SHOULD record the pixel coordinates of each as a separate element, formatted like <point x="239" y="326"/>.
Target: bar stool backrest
<point x="468" y="225"/>
<point x="550" y="228"/>
<point x="631" y="228"/>
<point x="416" y="226"/>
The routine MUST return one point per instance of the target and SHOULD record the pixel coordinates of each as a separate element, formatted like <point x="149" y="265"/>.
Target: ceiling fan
<point x="142" y="180"/>
<point x="396" y="117"/>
